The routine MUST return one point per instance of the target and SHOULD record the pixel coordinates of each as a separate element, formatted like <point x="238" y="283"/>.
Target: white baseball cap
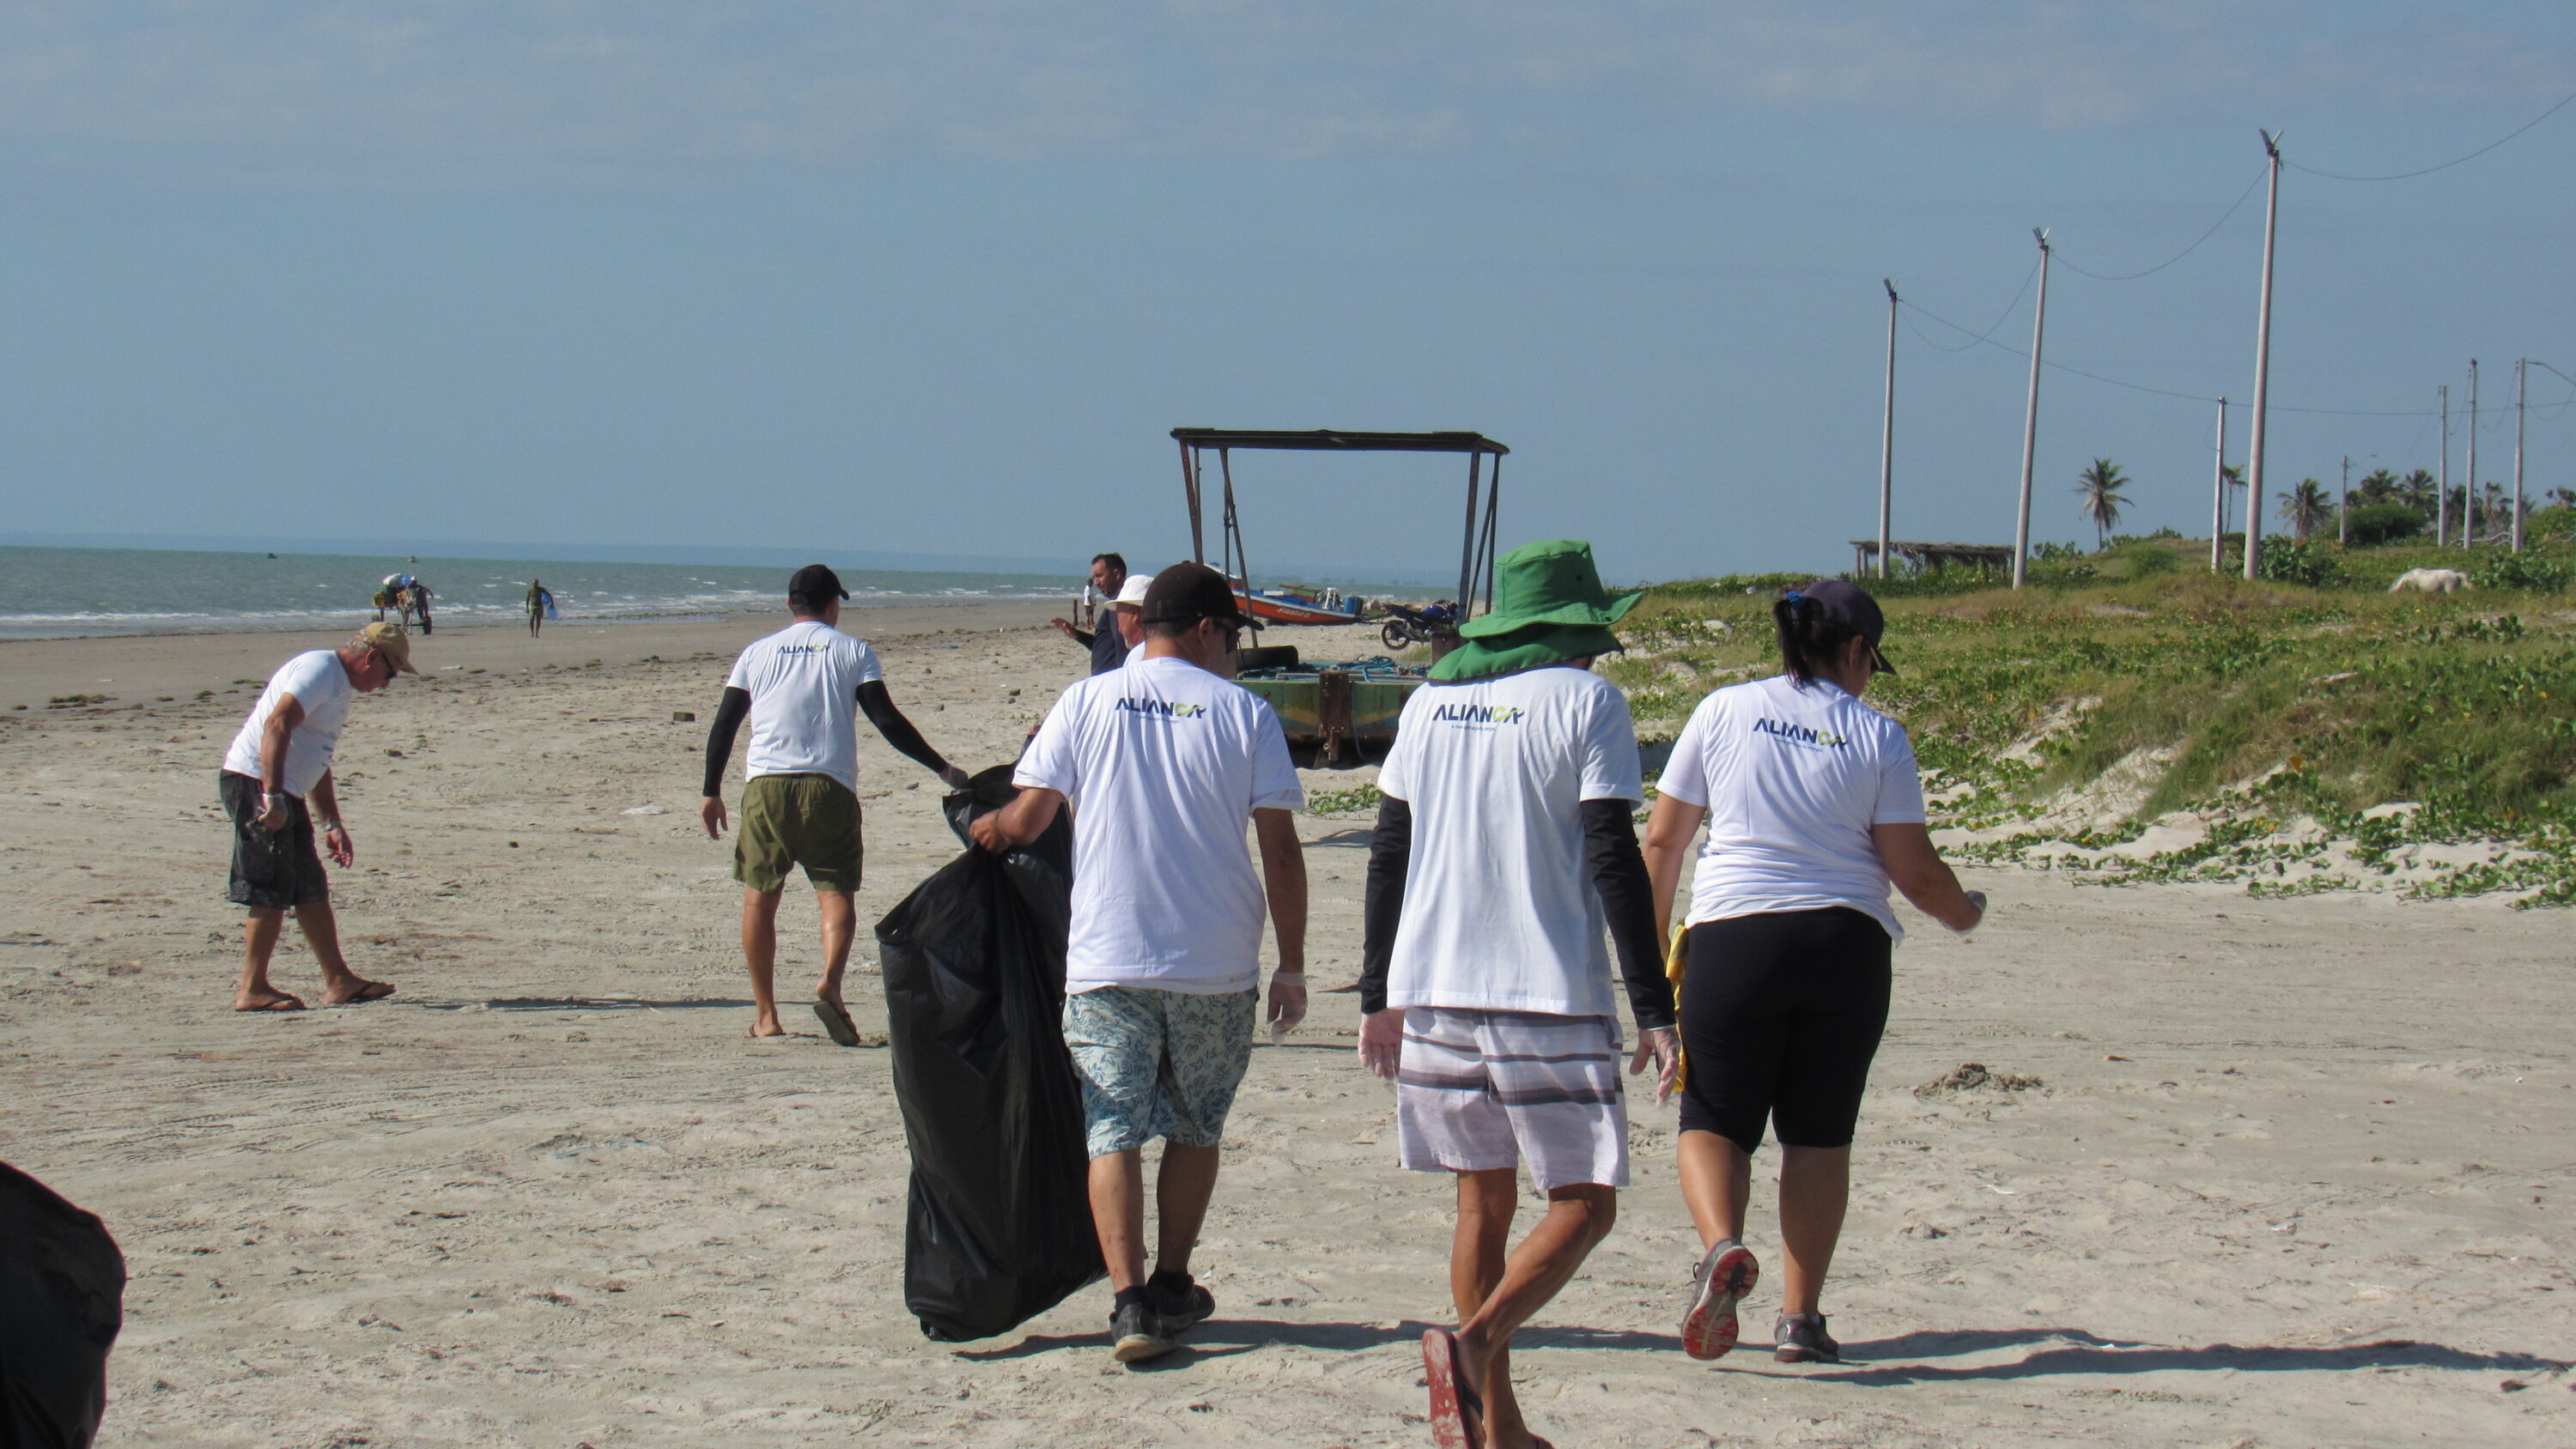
<point x="1133" y="591"/>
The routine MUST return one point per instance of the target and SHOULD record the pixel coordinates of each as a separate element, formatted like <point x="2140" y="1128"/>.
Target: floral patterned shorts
<point x="1157" y="1063"/>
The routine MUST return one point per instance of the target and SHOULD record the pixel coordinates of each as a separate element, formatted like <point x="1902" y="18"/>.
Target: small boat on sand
<point x="1281" y="606"/>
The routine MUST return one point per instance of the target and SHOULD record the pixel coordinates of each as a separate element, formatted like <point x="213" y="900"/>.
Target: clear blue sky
<point x="940" y="277"/>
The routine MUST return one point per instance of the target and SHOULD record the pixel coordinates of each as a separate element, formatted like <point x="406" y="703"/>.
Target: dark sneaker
<point x="1181" y="1310"/>
<point x="1726" y="1273"/>
<point x="1136" y="1333"/>
<point x="1801" y="1338"/>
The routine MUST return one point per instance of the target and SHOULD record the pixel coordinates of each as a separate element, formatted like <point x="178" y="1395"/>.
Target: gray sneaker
<point x="1136" y="1333"/>
<point x="1801" y="1338"/>
<point x="1725" y="1274"/>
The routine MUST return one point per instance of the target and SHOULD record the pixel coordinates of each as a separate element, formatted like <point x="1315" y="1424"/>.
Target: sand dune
<point x="2293" y="1175"/>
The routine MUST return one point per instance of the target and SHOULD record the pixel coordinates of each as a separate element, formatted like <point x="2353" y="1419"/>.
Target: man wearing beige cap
<point x="276" y="783"/>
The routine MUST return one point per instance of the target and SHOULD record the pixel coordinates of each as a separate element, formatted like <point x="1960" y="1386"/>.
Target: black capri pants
<point x="1780" y="1016"/>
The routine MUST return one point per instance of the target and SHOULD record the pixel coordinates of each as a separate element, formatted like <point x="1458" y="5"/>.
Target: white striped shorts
<point x="1479" y="1090"/>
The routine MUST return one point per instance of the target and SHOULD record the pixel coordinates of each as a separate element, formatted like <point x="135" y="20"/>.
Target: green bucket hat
<point x="1549" y="608"/>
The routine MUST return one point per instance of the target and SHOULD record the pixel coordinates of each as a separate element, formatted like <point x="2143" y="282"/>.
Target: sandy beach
<point x="2293" y="1172"/>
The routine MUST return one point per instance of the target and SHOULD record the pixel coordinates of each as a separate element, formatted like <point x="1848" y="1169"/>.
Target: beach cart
<point x="1345" y="710"/>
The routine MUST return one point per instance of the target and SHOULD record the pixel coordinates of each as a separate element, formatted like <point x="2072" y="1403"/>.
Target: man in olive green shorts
<point x="802" y="688"/>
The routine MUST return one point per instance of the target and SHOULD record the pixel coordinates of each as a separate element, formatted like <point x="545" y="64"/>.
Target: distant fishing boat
<point x="1282" y="606"/>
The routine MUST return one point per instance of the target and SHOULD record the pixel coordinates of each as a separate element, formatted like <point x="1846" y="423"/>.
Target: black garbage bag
<point x="62" y="1300"/>
<point x="999" y="1226"/>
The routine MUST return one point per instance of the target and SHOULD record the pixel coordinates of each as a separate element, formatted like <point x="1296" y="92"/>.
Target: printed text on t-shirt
<point x="1480" y="714"/>
<point x="1161" y="708"/>
<point x="1800" y="734"/>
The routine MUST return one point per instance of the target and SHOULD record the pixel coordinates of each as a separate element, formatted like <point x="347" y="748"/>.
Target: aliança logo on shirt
<point x="1160" y="708"/>
<point x="804" y="649"/>
<point x="1480" y="714"/>
<point x="1798" y="734"/>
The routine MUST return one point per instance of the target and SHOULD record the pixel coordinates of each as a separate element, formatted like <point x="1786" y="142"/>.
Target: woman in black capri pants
<point x="1813" y="810"/>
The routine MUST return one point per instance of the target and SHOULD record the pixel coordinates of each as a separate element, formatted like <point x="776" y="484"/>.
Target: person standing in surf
<point x="1814" y="808"/>
<point x="802" y="689"/>
<point x="1505" y="850"/>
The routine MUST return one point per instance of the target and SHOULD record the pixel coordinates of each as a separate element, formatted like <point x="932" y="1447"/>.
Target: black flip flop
<point x="836" y="1020"/>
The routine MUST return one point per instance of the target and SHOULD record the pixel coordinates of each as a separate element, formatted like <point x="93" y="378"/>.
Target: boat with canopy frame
<point x="1347" y="709"/>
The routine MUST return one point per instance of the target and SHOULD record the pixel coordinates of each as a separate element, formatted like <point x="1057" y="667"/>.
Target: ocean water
<point x="58" y="592"/>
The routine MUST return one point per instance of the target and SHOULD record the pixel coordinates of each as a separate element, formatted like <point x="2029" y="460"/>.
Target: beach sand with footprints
<point x="2228" y="1171"/>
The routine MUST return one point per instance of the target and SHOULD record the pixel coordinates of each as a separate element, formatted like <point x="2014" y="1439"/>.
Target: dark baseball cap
<point x="1849" y="605"/>
<point x="1188" y="592"/>
<point x="815" y="585"/>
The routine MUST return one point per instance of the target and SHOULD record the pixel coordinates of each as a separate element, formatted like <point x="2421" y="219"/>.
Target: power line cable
<point x="2143" y="387"/>
<point x="1989" y="334"/>
<point x="2447" y="165"/>
<point x="2232" y="209"/>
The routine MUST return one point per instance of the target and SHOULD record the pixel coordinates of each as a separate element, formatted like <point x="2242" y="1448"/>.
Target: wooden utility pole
<point x="2521" y="366"/>
<point x="2030" y="418"/>
<point x="2469" y="537"/>
<point x="2262" y="368"/>
<point x="2343" y="505"/>
<point x="1887" y="431"/>
<point x="2218" y="507"/>
<point x="2442" y="485"/>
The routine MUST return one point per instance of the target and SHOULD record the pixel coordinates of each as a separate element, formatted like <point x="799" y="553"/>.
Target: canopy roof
<point x="1326" y="439"/>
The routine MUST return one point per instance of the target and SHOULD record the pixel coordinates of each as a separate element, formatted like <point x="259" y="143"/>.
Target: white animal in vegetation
<point x="2430" y="581"/>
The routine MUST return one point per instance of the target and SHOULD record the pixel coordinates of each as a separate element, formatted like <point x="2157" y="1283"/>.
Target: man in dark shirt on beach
<point x="1108" y="650"/>
<point x="800" y="801"/>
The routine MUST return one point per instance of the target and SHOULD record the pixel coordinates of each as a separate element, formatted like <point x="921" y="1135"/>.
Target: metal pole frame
<point x="2030" y="418"/>
<point x="1190" y="491"/>
<point x="1467" y="549"/>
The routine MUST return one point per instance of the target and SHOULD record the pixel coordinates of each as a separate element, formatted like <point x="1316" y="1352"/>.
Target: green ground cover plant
<point x="2274" y="716"/>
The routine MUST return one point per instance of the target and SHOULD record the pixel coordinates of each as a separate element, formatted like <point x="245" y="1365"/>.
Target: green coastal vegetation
<point x="2133" y="717"/>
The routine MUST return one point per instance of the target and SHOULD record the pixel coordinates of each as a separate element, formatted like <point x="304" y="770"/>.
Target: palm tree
<point x="2306" y="507"/>
<point x="2099" y="486"/>
<point x="2416" y="490"/>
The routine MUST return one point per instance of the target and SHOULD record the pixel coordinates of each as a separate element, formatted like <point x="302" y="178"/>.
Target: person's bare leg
<point x="1118" y="1216"/>
<point x="1183" y="1186"/>
<point x="1578" y="1217"/>
<point x="1717" y="1184"/>
<point x="840" y="926"/>
<point x="259" y="942"/>
<point x="1815" y="1187"/>
<point x="340" y="985"/>
<point x="760" y="954"/>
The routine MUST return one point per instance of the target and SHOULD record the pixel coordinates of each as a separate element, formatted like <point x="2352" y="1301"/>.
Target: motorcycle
<point x="1408" y="624"/>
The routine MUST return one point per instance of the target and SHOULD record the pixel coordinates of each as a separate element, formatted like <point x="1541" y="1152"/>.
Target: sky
<point x="913" y="278"/>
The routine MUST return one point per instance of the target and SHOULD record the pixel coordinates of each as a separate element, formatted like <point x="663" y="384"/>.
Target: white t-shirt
<point x="1164" y="763"/>
<point x="322" y="686"/>
<point x="1793" y="779"/>
<point x="804" y="685"/>
<point x="1499" y="911"/>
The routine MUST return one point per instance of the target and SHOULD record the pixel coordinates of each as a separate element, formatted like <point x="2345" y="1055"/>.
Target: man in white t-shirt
<point x="803" y="689"/>
<point x="1165" y="763"/>
<point x="275" y="784"/>
<point x="1505" y="850"/>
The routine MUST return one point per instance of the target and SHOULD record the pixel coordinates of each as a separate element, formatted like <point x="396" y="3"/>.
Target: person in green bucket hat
<point x="1549" y="608"/>
<point x="1505" y="851"/>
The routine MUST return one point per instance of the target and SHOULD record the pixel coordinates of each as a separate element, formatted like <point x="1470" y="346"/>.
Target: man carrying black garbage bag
<point x="1165" y="762"/>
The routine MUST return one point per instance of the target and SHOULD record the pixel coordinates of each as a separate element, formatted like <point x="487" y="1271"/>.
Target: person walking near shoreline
<point x="1814" y="808"/>
<point x="539" y="600"/>
<point x="801" y="688"/>
<point x="1165" y="762"/>
<point x="275" y="785"/>
<point x="1108" y="648"/>
<point x="1504" y="849"/>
